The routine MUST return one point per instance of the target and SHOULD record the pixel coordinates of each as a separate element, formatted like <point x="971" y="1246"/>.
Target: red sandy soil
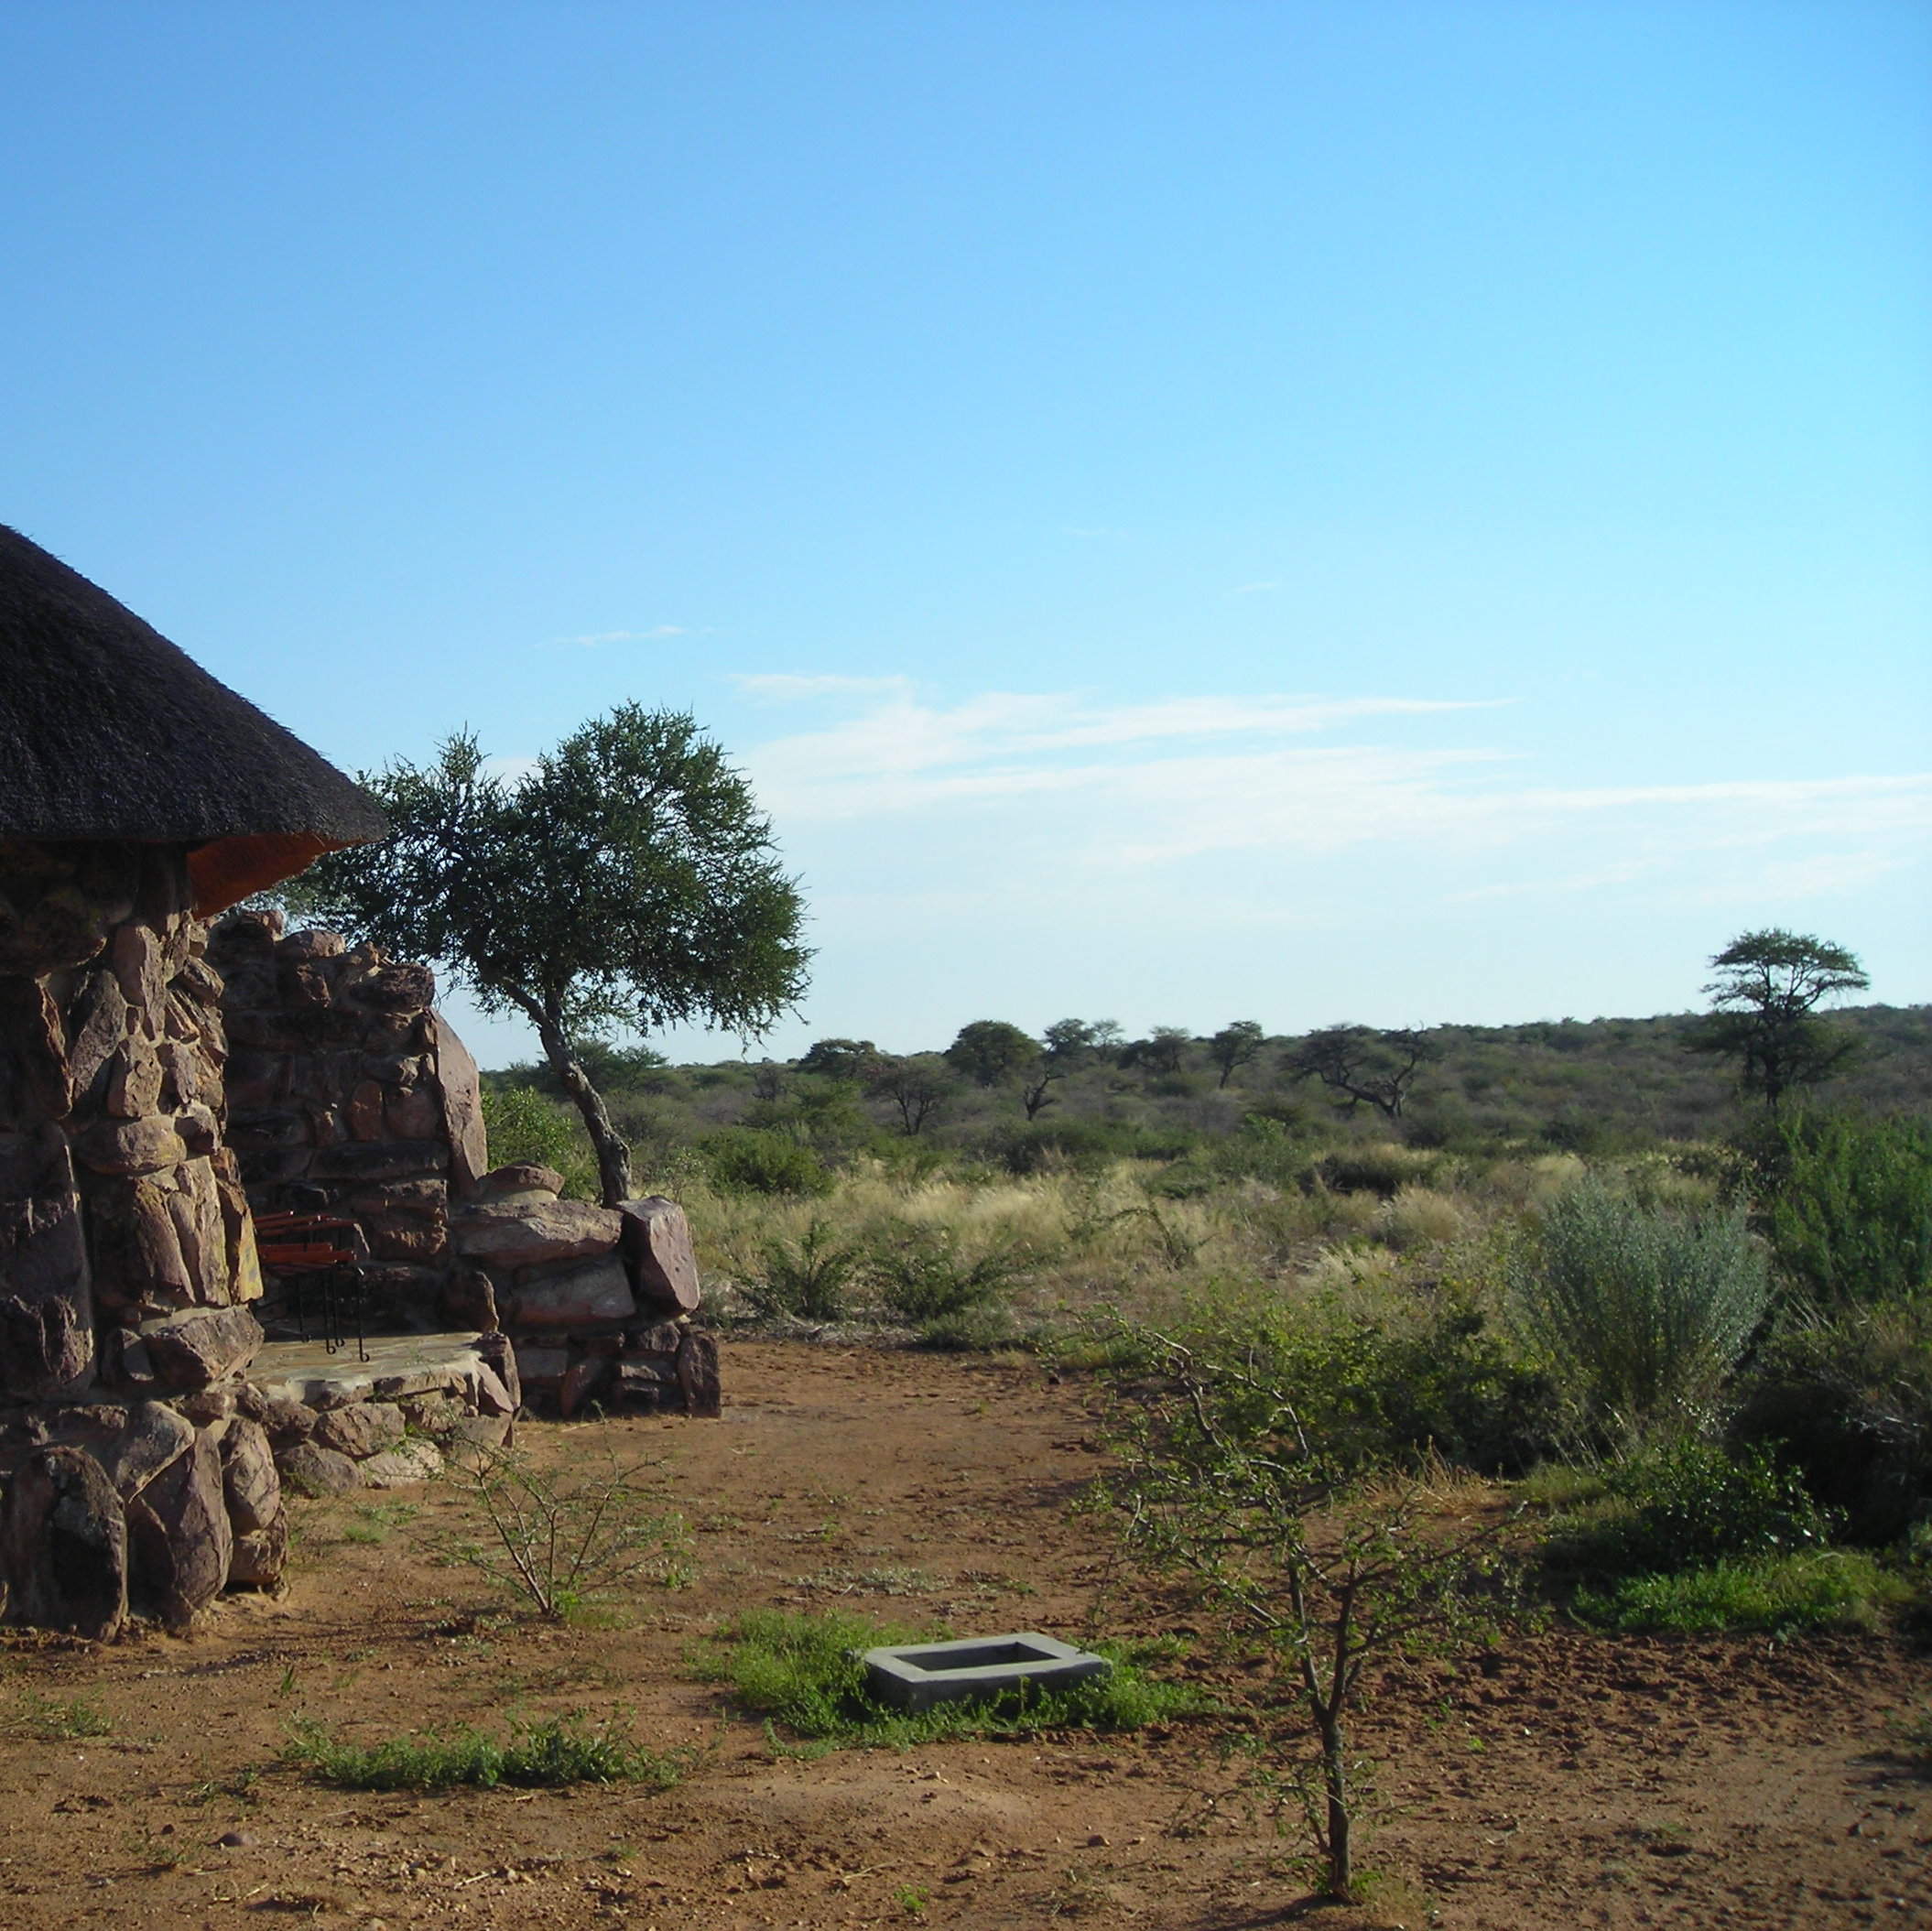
<point x="1588" y="1782"/>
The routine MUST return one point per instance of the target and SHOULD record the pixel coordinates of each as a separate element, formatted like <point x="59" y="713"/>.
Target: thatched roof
<point x="108" y="731"/>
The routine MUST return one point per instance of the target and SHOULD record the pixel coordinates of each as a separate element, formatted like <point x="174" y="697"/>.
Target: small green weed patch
<point x="1782" y="1594"/>
<point x="53" y="1721"/>
<point x="556" y="1751"/>
<point x="801" y="1672"/>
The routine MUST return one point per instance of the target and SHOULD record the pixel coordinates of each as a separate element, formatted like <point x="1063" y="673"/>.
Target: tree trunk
<point x="1334" y="1775"/>
<point x="613" y="1154"/>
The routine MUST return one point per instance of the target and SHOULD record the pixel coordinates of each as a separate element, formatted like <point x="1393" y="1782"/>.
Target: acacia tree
<point x="1161" y="1051"/>
<point x="918" y="1085"/>
<point x="990" y="1050"/>
<point x="1359" y="1064"/>
<point x="1237" y="1044"/>
<point x="1764" y="1014"/>
<point x="1329" y="1567"/>
<point x="1072" y="1042"/>
<point x="627" y="880"/>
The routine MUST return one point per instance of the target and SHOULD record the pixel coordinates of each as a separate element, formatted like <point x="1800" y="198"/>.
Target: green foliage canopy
<point x="990" y="1050"/>
<point x="1763" y="1015"/>
<point x="628" y="880"/>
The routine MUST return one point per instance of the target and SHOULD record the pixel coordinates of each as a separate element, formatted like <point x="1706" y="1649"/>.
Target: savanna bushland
<point x="1674" y="1326"/>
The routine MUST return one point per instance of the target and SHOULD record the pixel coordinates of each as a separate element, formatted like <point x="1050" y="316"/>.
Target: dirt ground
<point x="1588" y="1782"/>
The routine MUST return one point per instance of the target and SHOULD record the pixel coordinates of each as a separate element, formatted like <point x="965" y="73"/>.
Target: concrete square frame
<point x="916" y="1675"/>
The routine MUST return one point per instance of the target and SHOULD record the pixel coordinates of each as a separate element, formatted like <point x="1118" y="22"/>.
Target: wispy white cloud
<point x="596" y="639"/>
<point x="781" y="687"/>
<point x="1250" y="590"/>
<point x="1014" y="781"/>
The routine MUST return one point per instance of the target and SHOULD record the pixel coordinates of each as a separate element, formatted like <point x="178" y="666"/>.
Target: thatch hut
<point x="137" y="796"/>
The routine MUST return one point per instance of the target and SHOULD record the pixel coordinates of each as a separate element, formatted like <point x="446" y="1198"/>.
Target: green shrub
<point x="525" y="1124"/>
<point x="1847" y="1204"/>
<point x="1848" y="1400"/>
<point x="1382" y="1169"/>
<point x="748" y="1159"/>
<point x="563" y="1542"/>
<point x="922" y="1274"/>
<point x="1815" y="1589"/>
<point x="809" y="1281"/>
<point x="1367" y="1391"/>
<point x="1052" y="1145"/>
<point x="970" y="1331"/>
<point x="1640" y="1310"/>
<point x="1686" y="1504"/>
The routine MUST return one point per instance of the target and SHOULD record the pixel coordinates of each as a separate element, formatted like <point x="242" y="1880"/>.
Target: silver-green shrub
<point x="1640" y="1310"/>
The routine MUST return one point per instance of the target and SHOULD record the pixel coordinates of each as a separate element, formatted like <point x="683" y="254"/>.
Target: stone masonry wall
<point x="349" y="1093"/>
<point x="127" y="1260"/>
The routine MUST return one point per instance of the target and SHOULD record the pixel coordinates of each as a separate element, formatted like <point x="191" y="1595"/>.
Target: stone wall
<point x="597" y="1301"/>
<point x="127" y="1260"/>
<point x="349" y="1093"/>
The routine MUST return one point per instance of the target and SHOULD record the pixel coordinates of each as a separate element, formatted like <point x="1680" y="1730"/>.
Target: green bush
<point x="1815" y="1589"/>
<point x="1640" y="1310"/>
<point x="1365" y="1391"/>
<point x="810" y="1280"/>
<point x="1686" y="1504"/>
<point x="748" y="1159"/>
<point x="923" y="1275"/>
<point x="525" y="1124"/>
<point x="1848" y="1400"/>
<point x="1847" y="1204"/>
<point x="1082" y="1145"/>
<point x="1050" y="1145"/>
<point x="970" y="1331"/>
<point x="1378" y="1168"/>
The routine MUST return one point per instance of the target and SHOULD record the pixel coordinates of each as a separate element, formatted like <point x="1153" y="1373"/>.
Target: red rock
<point x="63" y="1545"/>
<point x="364" y="1112"/>
<point x="259" y="1556"/>
<point x="45" y="1306"/>
<point x="249" y="1482"/>
<point x="140" y="964"/>
<point x="98" y="1025"/>
<point x="134" y="1079"/>
<point x="151" y="1437"/>
<point x="469" y="1300"/>
<point x="541" y="1365"/>
<point x="359" y="1429"/>
<point x="305" y="988"/>
<point x="521" y="1181"/>
<point x="698" y="1374"/>
<point x="180" y="1542"/>
<point x="581" y="1379"/>
<point x="199" y="982"/>
<point x="582" y="1297"/>
<point x="310" y="1471"/>
<point x="313" y="943"/>
<point x="406" y="1465"/>
<point x="34" y="1035"/>
<point x="202" y="1345"/>
<point x="130" y="1147"/>
<point x="533" y="1233"/>
<point x="415" y="1114"/>
<point x="458" y="1088"/>
<point x="658" y="1245"/>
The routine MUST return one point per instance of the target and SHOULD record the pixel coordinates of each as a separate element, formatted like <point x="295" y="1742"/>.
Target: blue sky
<point x="1392" y="511"/>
